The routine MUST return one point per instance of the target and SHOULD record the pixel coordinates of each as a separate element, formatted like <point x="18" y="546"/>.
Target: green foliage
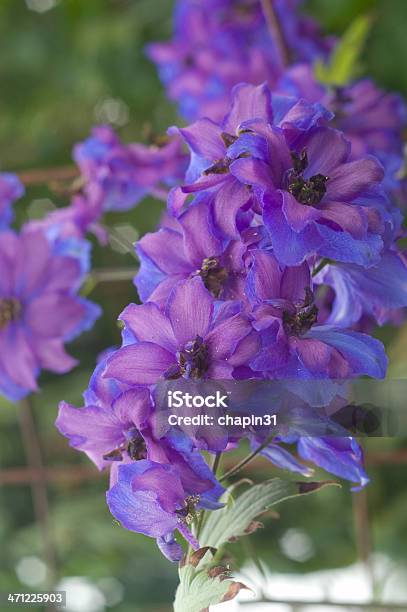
<point x="202" y="585"/>
<point x="236" y="518"/>
<point x="344" y="63"/>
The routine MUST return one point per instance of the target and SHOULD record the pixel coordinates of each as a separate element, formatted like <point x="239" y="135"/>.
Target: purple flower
<point x="187" y="340"/>
<point x="316" y="200"/>
<point x="187" y="249"/>
<point x="39" y="309"/>
<point x="127" y="173"/>
<point x="341" y="456"/>
<point x="377" y="291"/>
<point x="109" y="432"/>
<point x="210" y="145"/>
<point x="11" y="189"/>
<point x="81" y="217"/>
<point x="152" y="498"/>
<point x="219" y="43"/>
<point x="371" y="119"/>
<point x="294" y="345"/>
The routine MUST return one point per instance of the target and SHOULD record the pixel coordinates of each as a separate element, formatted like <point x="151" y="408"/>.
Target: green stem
<point x="247" y="459"/>
<point x="112" y="275"/>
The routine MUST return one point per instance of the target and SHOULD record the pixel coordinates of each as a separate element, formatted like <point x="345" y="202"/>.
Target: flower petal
<point x="229" y="198"/>
<point x="347" y="181"/>
<point x="204" y="137"/>
<point x="326" y="149"/>
<point x="199" y="239"/>
<point x="364" y="354"/>
<point x="138" y="511"/>
<point x="139" y="364"/>
<point x="223" y="339"/>
<point x="189" y="308"/>
<point x="249" y="102"/>
<point x="298" y="216"/>
<point x="54" y="315"/>
<point x="149" y="324"/>
<point x="165" y="249"/>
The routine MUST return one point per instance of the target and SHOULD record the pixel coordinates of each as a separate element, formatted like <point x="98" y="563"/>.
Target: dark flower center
<point x="193" y="361"/>
<point x="306" y="191"/>
<point x="188" y="512"/>
<point x="213" y="275"/>
<point x="135" y="447"/>
<point x="305" y="316"/>
<point x="10" y="311"/>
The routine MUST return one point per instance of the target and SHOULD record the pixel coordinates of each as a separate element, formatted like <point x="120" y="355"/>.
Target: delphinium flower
<point x="11" y="189"/>
<point x="357" y="293"/>
<point x="114" y="177"/>
<point x="276" y="246"/>
<point x="299" y="175"/>
<point x="229" y="293"/>
<point x="216" y="146"/>
<point x="340" y="455"/>
<point x="188" y="339"/>
<point x="294" y="345"/>
<point x="156" y="499"/>
<point x="219" y="43"/>
<point x="371" y="119"/>
<point x="191" y="248"/>
<point x="116" y="428"/>
<point x="315" y="198"/>
<point x="118" y="425"/>
<point x="40" y="309"/>
<point x="127" y="173"/>
<point x="81" y="217"/>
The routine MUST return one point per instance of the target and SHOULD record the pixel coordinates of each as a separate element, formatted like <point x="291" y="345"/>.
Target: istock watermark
<point x="179" y="399"/>
<point x="223" y="408"/>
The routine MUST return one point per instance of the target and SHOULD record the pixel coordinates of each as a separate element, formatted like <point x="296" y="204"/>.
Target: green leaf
<point x="237" y="517"/>
<point x="344" y="62"/>
<point x="202" y="585"/>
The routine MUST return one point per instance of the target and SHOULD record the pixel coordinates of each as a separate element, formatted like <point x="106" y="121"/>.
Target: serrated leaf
<point x="202" y="586"/>
<point x="344" y="63"/>
<point x="236" y="518"/>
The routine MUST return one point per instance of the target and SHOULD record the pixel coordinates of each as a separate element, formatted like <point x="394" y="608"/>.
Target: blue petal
<point x="364" y="354"/>
<point x="170" y="547"/>
<point x="340" y="456"/>
<point x="341" y="246"/>
<point x="283" y="459"/>
<point x="148" y="276"/>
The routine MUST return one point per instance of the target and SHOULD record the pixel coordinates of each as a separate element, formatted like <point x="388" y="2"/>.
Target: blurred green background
<point x="63" y="70"/>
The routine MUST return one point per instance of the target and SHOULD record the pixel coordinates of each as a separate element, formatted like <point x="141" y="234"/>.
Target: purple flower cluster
<point x="114" y="176"/>
<point x="277" y="208"/>
<point x="220" y="43"/>
<point x="275" y="258"/>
